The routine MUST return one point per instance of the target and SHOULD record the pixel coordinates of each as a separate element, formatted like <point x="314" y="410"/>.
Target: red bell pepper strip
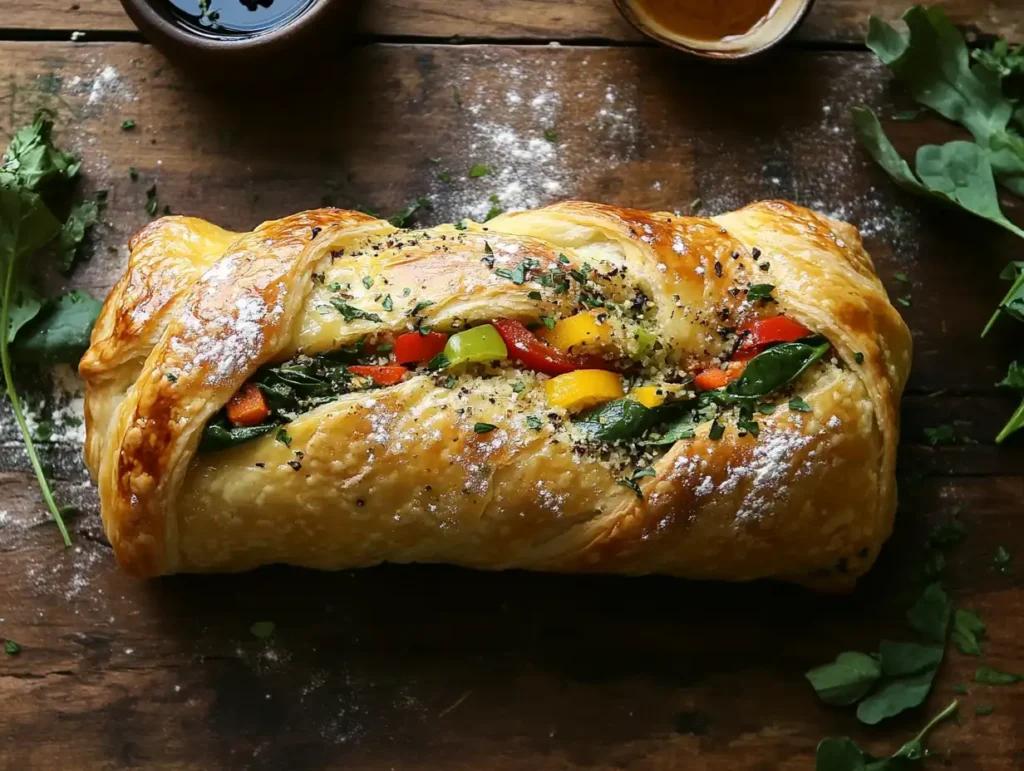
<point x="381" y="375"/>
<point x="713" y="378"/>
<point x="414" y="348"/>
<point x="523" y="345"/>
<point x="755" y="335"/>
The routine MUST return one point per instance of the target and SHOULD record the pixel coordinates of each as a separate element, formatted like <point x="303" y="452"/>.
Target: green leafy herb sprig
<point x="842" y="754"/>
<point x="36" y="181"/>
<point x="900" y="675"/>
<point x="978" y="91"/>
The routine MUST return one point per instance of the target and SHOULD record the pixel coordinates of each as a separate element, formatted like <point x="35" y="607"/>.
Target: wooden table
<point x="431" y="667"/>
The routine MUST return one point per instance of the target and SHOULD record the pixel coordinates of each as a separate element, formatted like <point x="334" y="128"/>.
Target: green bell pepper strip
<point x="476" y="345"/>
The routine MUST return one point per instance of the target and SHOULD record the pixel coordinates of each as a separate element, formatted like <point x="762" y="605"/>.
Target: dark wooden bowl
<point x="246" y="59"/>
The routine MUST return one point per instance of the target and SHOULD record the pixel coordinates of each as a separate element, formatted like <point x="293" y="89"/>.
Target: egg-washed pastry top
<point x="578" y="388"/>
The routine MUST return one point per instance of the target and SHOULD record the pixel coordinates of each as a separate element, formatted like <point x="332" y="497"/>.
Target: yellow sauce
<point x="709" y="20"/>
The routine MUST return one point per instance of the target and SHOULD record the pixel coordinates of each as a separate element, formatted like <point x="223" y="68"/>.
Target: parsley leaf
<point x="968" y="632"/>
<point x="484" y="428"/>
<point x="478" y="170"/>
<point x="283" y="437"/>
<point x="762" y="292"/>
<point x="11" y="648"/>
<point x="993" y="676"/>
<point x="799" y="405"/>
<point x="532" y="421"/>
<point x="81" y="217"/>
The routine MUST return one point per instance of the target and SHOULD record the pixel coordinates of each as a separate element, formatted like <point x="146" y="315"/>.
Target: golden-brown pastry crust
<point x="398" y="474"/>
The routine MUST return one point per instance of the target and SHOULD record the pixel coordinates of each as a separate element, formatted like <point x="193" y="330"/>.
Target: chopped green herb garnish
<point x="478" y="170"/>
<point x="632" y="485"/>
<point x="750" y="426"/>
<point x="858" y="357"/>
<point x="445" y="176"/>
<point x="133" y="173"/>
<point x="937" y="435"/>
<point x="518" y="387"/>
<point x="762" y="292"/>
<point x="385" y="348"/>
<point x="127" y="125"/>
<point x="11" y="648"/>
<point x="493" y="212"/>
<point x="262" y="629"/>
<point x="902" y="277"/>
<point x="532" y="421"/>
<point x="696" y="204"/>
<point x="904" y="301"/>
<point x="438" y="362"/>
<point x="535" y="295"/>
<point x="563" y="259"/>
<point x="993" y="676"/>
<point x="352" y="313"/>
<point x="550" y="135"/>
<point x="462" y="224"/>
<point x="172" y="378"/>
<point x="450" y="382"/>
<point x="367" y="281"/>
<point x="420" y="306"/>
<point x="981" y="710"/>
<point x="283" y="437"/>
<point x="717" y="431"/>
<point x="968" y="632"/>
<point x="152" y="204"/>
<point x="548" y="322"/>
<point x="1002" y="561"/>
<point x="484" y="428"/>
<point x="387" y="303"/>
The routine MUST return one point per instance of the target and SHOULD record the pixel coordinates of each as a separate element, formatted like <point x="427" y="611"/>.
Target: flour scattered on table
<point x="527" y="137"/>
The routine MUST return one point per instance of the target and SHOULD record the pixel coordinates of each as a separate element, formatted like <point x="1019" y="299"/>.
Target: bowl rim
<point x="626" y="9"/>
<point x="148" y="19"/>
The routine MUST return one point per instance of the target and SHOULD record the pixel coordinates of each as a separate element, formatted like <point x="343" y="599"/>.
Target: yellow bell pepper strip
<point x="580" y="329"/>
<point x="649" y="396"/>
<point x="583" y="389"/>
<point x="479" y="344"/>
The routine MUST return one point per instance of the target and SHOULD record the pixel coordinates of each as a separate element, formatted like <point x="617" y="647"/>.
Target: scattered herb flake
<point x="478" y="170"/>
<point x="11" y="648"/>
<point x="799" y="405"/>
<point x="484" y="428"/>
<point x="993" y="676"/>
<point x="127" y="125"/>
<point x="283" y="437"/>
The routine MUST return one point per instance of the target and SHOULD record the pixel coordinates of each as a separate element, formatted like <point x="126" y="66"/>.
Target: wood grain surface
<point x="432" y="667"/>
<point x="829" y="21"/>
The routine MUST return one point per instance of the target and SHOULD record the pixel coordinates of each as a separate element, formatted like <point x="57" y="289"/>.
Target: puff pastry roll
<point x="578" y="388"/>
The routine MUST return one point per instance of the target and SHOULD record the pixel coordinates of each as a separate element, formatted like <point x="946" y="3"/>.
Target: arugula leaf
<point x="934" y="62"/>
<point x="968" y="632"/>
<point x="930" y="615"/>
<point x="775" y="367"/>
<point x="842" y="754"/>
<point x="993" y="676"/>
<point x="956" y="173"/>
<point x="846" y="680"/>
<point x="60" y="334"/>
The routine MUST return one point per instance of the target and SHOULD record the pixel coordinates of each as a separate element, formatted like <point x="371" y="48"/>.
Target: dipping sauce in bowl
<point x="715" y="28"/>
<point x="230" y="18"/>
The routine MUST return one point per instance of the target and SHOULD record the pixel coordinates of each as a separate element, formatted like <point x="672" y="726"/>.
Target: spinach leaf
<point x="619" y="419"/>
<point x="60" y="334"/>
<point x="846" y="680"/>
<point x="220" y="436"/>
<point x="680" y="419"/>
<point x="968" y="632"/>
<point x="776" y="367"/>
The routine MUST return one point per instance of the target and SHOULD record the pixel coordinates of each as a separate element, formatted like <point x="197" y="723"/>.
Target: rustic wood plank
<point x="427" y="667"/>
<point x="433" y="667"/>
<point x="830" y="21"/>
